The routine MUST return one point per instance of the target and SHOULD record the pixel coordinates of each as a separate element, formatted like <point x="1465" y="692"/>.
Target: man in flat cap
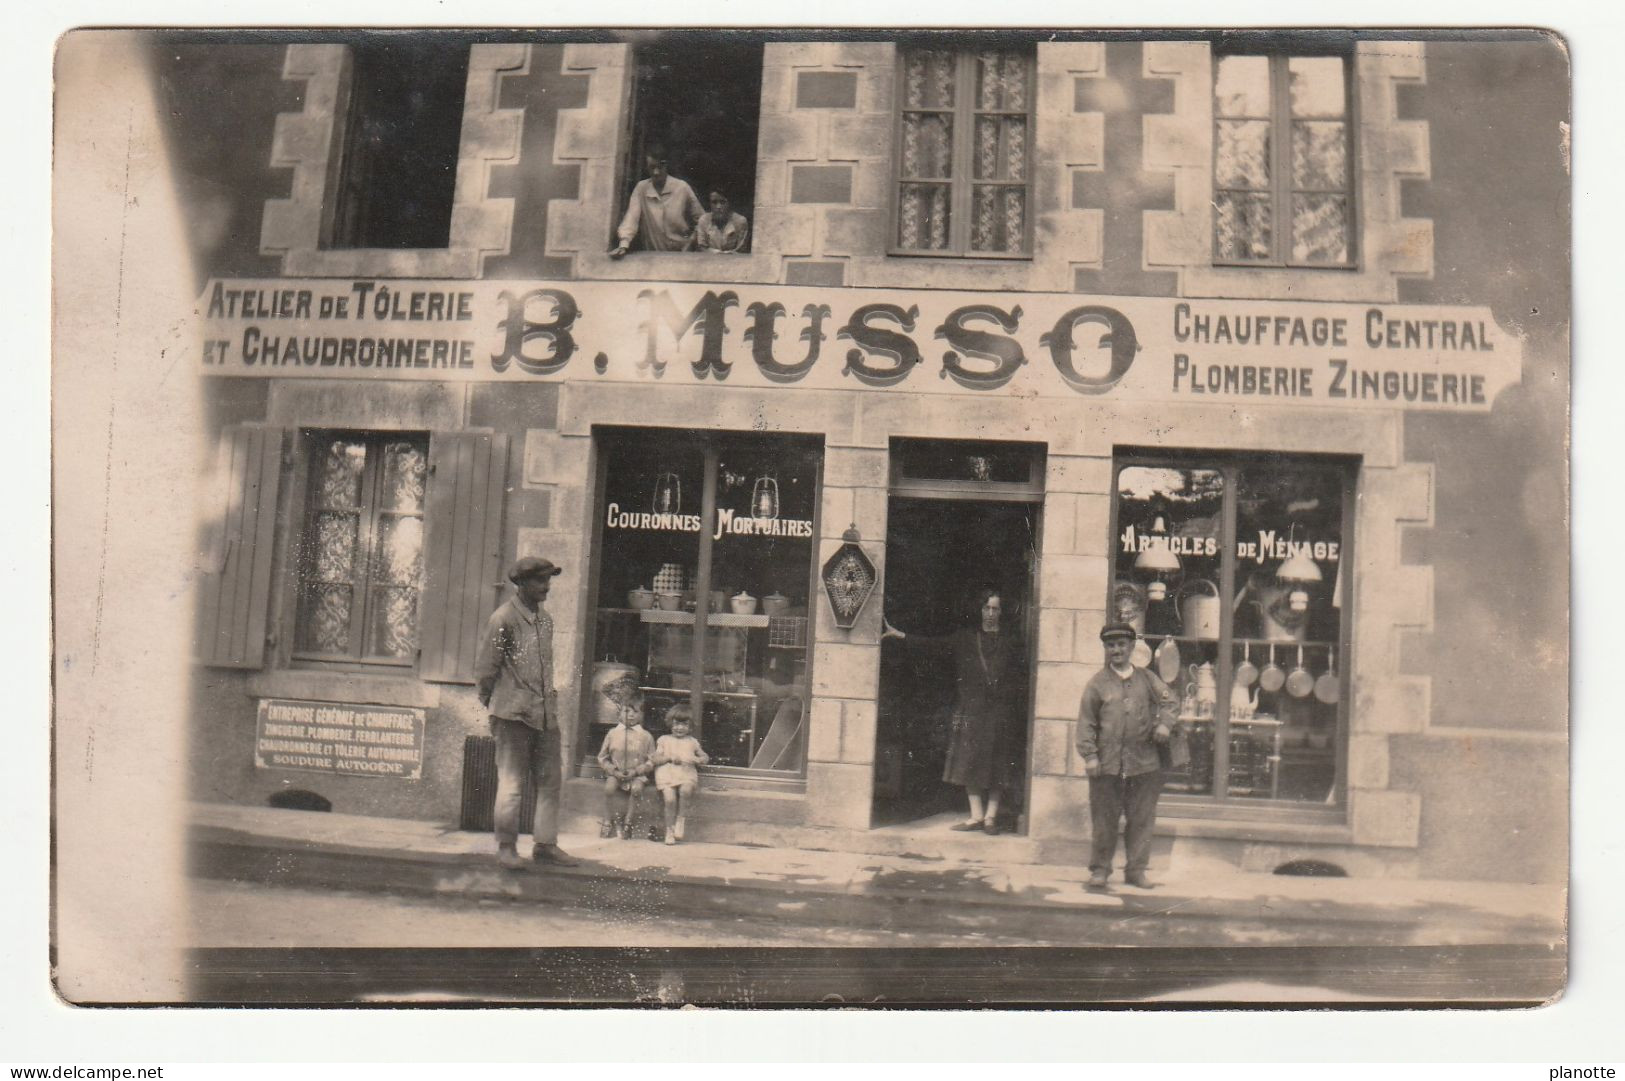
<point x="515" y="679"/>
<point x="1126" y="727"/>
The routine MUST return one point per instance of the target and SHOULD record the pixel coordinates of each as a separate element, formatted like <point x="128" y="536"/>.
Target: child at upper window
<point x="626" y="757"/>
<point x="721" y="230"/>
<point x="677" y="759"/>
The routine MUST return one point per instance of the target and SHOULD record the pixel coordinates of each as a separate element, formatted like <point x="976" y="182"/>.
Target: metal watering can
<point x="1199" y="609"/>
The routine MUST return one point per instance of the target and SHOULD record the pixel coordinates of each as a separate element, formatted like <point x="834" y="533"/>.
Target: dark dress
<point x="991" y="681"/>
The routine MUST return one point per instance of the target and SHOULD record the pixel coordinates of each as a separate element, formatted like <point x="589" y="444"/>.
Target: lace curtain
<point x="1255" y="193"/>
<point x="992" y="116"/>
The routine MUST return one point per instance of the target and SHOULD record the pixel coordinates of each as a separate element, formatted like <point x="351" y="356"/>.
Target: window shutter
<point x="463" y="549"/>
<point x="235" y="592"/>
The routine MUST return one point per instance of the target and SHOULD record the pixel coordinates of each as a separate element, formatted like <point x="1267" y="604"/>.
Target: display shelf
<point x="684" y="619"/>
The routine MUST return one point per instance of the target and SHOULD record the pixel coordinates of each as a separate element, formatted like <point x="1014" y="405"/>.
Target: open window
<point x="699" y="103"/>
<point x="396" y="153"/>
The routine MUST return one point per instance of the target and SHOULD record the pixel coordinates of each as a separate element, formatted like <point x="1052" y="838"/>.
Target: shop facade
<point x="1155" y="331"/>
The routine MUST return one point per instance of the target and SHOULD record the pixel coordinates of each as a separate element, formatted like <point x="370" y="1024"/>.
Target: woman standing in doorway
<point x="990" y="683"/>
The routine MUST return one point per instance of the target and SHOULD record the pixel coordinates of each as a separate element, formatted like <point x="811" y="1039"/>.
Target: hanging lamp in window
<point x="1299" y="572"/>
<point x="1158" y="560"/>
<point x="668" y="494"/>
<point x="764" y="498"/>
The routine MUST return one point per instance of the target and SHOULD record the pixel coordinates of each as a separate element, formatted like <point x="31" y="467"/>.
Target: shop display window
<point x="1233" y="570"/>
<point x="716" y="618"/>
<point x="361" y="553"/>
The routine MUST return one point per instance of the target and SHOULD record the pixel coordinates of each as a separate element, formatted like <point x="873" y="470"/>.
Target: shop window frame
<point x="1219" y="805"/>
<point x="302" y="498"/>
<point x="961" y="183"/>
<point x="711" y="443"/>
<point x="910" y="486"/>
<point x="1281" y="186"/>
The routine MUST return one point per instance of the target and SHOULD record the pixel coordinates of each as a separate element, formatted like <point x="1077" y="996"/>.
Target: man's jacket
<point x="1117" y="721"/>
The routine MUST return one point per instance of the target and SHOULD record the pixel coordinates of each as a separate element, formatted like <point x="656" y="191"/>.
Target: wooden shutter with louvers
<point x="463" y="549"/>
<point x="235" y="583"/>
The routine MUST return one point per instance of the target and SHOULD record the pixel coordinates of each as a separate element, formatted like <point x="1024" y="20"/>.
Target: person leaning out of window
<point x="661" y="214"/>
<point x="721" y="230"/>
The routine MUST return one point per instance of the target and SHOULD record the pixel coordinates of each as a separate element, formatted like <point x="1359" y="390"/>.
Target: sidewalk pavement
<point x="637" y="881"/>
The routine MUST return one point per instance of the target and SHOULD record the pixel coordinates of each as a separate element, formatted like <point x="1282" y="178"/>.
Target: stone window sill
<point x="360" y="688"/>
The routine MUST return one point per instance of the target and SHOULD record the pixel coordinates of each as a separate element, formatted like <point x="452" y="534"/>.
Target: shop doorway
<point x="940" y="552"/>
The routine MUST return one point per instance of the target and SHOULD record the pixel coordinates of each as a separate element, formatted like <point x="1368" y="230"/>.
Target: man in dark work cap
<point x="1126" y="726"/>
<point x="514" y="675"/>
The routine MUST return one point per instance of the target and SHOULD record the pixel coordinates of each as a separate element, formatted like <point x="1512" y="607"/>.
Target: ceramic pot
<point x="775" y="604"/>
<point x="668" y="602"/>
<point x="640" y="598"/>
<point x="743" y="604"/>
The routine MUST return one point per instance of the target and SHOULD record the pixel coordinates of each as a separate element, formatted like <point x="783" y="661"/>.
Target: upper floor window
<point x="1283" y="183"/>
<point x="690" y="172"/>
<point x="361" y="563"/>
<point x="397" y="147"/>
<point x="964" y="149"/>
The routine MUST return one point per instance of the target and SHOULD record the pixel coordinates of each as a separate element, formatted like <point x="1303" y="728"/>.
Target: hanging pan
<point x="1168" y="661"/>
<point x="1300" y="682"/>
<point x="1246" y="671"/>
<point x="1140" y="657"/>
<point x="1327" y="686"/>
<point x="1273" y="677"/>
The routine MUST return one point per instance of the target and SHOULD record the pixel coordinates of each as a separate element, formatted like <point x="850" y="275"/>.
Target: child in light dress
<point x="677" y="759"/>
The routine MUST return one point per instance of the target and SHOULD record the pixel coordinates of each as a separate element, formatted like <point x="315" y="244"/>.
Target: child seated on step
<point x="626" y="759"/>
<point x="677" y="759"/>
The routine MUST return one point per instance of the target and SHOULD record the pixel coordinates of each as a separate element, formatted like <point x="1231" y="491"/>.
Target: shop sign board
<point x="1044" y="345"/>
<point x="337" y="737"/>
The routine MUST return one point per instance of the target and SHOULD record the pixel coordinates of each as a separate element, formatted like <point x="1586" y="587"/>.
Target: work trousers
<point x="1112" y="799"/>
<point x="522" y="750"/>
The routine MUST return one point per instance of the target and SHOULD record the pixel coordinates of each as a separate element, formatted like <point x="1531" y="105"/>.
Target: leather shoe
<point x="1138" y="880"/>
<point x="508" y="856"/>
<point x="965" y="827"/>
<point x="990" y="827"/>
<point x="555" y="855"/>
<point x="1097" y="880"/>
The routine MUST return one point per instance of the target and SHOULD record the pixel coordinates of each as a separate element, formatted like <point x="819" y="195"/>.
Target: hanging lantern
<point x="849" y="578"/>
<point x="764" y="498"/>
<point x="668" y="494"/>
<point x="1158" y="560"/>
<point x="1300" y="572"/>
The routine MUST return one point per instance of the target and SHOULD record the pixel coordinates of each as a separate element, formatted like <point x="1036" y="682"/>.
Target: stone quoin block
<point x="845" y="671"/>
<point x="1055" y="627"/>
<point x="1052" y="746"/>
<point x="821" y="183"/>
<point x="1074" y="581"/>
<point x="839" y="794"/>
<point x="855" y="467"/>
<point x="1060" y="686"/>
<point x="858" y="728"/>
<point x="824" y="733"/>
<point x="1060" y="523"/>
<point x="1368" y="761"/>
<point x="1058" y="807"/>
<point x="837" y="511"/>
